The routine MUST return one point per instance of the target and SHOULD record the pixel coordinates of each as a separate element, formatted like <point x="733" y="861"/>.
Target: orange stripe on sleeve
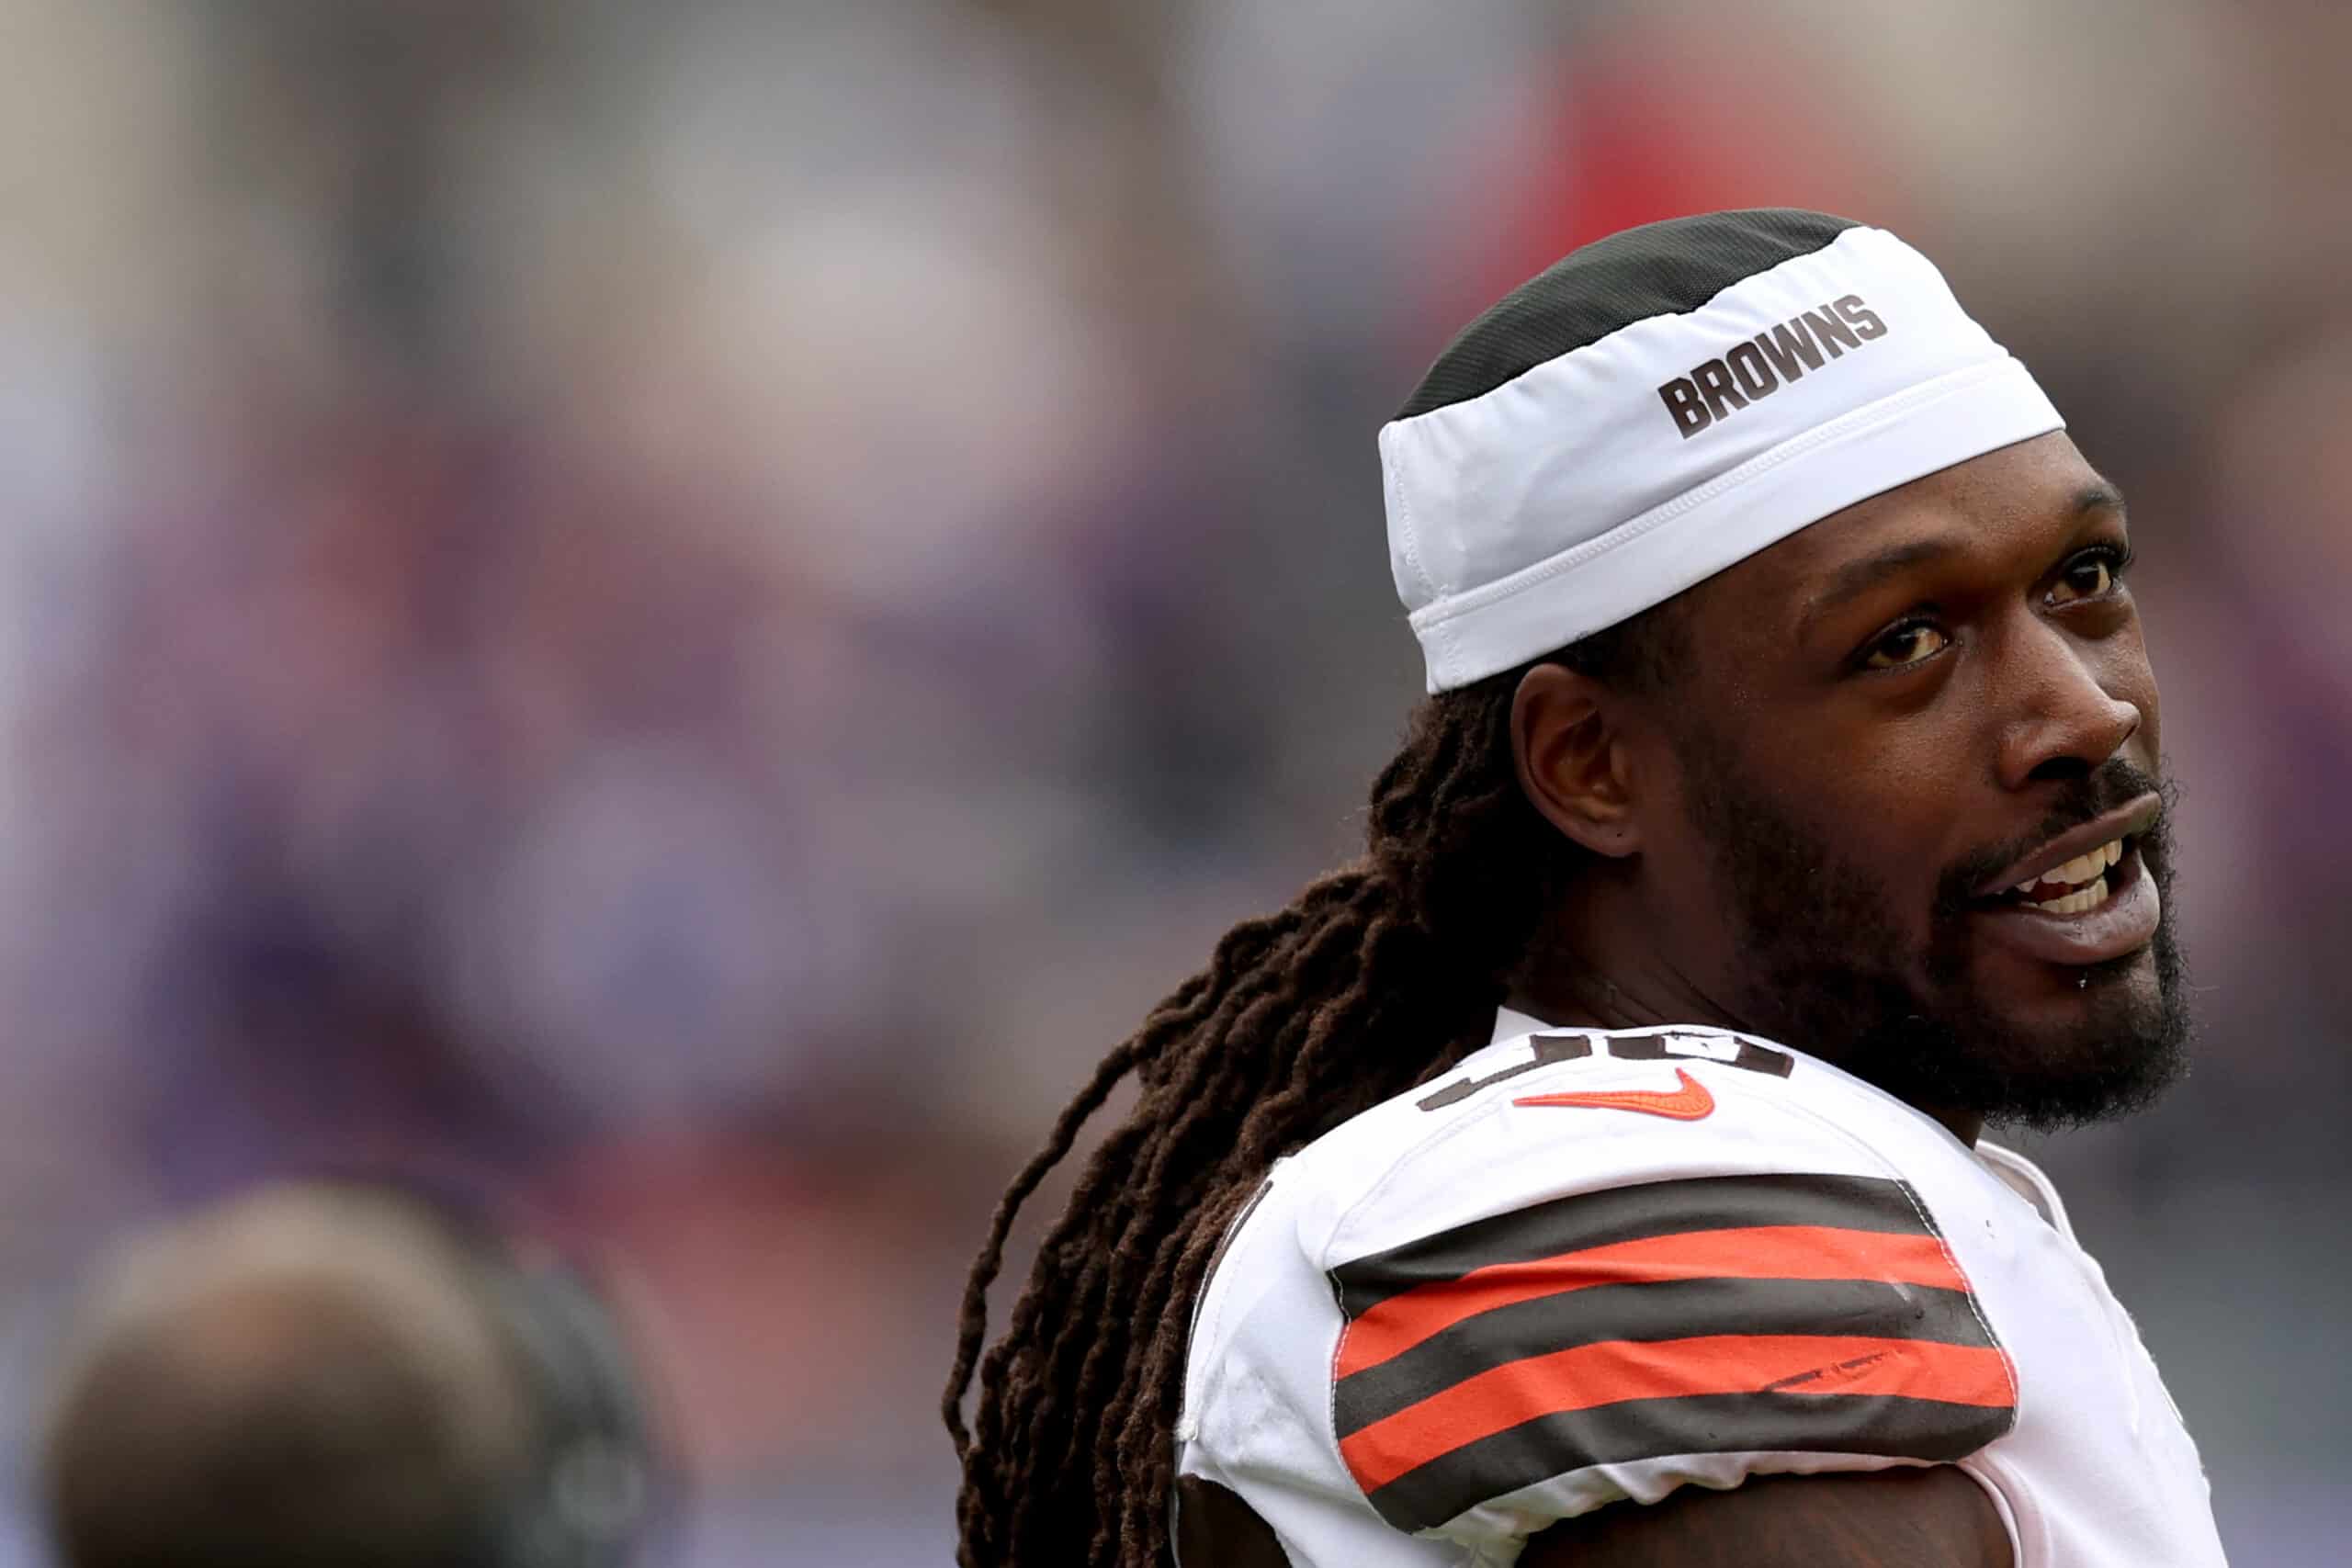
<point x="1761" y="1252"/>
<point x="1590" y="1376"/>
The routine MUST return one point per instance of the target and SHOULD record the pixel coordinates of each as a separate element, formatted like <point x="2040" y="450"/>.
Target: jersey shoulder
<point x="1554" y="1114"/>
<point x="1590" y="1265"/>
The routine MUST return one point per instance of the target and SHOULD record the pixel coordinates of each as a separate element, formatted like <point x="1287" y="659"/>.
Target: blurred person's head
<point x="1785" y="679"/>
<point x="340" y="1376"/>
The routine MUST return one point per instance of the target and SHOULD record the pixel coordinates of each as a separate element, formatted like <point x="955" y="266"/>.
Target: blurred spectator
<point x="341" y="1375"/>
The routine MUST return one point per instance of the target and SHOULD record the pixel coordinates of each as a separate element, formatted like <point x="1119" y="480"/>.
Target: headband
<point x="1669" y="402"/>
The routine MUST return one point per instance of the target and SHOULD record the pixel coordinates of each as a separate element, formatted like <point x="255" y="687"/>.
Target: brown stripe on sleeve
<point x="1672" y="1309"/>
<point x="1628" y="1213"/>
<point x="1886" y="1425"/>
<point x="1769" y="1252"/>
<point x="1588" y="1376"/>
<point x="1715" y="1314"/>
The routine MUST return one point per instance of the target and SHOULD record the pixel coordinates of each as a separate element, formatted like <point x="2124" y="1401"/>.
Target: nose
<point x="2065" y="720"/>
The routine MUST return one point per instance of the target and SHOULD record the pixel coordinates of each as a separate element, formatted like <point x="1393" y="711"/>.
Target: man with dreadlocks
<point x="1590" y="1173"/>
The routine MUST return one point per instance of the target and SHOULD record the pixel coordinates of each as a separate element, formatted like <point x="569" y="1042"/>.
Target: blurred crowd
<point x="672" y="617"/>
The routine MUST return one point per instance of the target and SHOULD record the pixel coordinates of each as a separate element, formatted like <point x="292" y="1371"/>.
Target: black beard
<point x="1829" y="974"/>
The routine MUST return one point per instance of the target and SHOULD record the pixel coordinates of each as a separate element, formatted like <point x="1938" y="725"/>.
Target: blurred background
<point x="675" y="615"/>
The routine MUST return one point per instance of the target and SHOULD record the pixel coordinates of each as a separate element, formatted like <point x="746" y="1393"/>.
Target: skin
<point x="1918" y="680"/>
<point x="2011" y="665"/>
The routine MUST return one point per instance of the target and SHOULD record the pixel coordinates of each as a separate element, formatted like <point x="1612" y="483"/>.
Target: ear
<point x="1572" y="762"/>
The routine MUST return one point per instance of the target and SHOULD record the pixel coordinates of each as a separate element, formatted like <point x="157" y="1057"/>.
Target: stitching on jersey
<point x="1988" y="1472"/>
<point x="1976" y="1310"/>
<point x="1975" y="1307"/>
<point x="2048" y="1206"/>
<point x="1474" y="1114"/>
<point x="1322" y="1255"/>
<point x="1187" y="1412"/>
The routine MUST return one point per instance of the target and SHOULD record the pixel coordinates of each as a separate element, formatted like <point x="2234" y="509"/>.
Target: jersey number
<point x="1549" y="1049"/>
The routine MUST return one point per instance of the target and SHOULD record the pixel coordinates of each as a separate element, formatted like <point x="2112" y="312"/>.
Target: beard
<point x="1826" y="965"/>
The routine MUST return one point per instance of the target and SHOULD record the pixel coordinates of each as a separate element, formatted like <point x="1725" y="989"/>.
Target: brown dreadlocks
<point x="1377" y="977"/>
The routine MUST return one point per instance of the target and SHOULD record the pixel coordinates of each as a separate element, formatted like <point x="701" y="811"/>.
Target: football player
<point x="1592" y="1173"/>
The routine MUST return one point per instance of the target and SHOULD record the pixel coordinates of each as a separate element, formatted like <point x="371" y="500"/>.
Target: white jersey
<point x="1589" y="1267"/>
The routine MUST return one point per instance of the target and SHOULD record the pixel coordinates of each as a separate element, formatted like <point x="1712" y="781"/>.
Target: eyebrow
<point x="1857" y="578"/>
<point x="2098" y="496"/>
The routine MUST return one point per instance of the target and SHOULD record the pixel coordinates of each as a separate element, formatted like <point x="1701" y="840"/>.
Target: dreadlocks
<point x="1378" y="976"/>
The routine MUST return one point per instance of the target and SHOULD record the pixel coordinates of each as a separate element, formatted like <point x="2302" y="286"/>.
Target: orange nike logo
<point x="1685" y="1104"/>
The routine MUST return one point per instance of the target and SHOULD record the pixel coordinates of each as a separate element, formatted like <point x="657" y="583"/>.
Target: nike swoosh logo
<point x="1685" y="1104"/>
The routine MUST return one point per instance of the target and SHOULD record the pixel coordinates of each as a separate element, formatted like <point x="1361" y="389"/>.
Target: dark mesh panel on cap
<point x="1658" y="269"/>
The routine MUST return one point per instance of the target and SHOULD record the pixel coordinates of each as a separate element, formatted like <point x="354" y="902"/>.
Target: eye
<point x="2091" y="575"/>
<point x="1913" y="642"/>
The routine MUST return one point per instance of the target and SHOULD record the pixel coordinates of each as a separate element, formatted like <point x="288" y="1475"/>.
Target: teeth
<point x="2075" y="871"/>
<point x="2090" y="897"/>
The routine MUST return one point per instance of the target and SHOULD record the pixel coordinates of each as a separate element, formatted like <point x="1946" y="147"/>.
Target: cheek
<point x="1890" y="846"/>
<point x="1887" y="819"/>
<point x="1853" y="826"/>
<point x="1873" y="785"/>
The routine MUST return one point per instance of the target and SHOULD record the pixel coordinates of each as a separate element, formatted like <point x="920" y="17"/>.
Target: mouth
<point x="2085" y="898"/>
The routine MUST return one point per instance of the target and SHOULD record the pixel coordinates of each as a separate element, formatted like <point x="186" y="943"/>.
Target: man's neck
<point x="1592" y="976"/>
<point x="1575" y="996"/>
